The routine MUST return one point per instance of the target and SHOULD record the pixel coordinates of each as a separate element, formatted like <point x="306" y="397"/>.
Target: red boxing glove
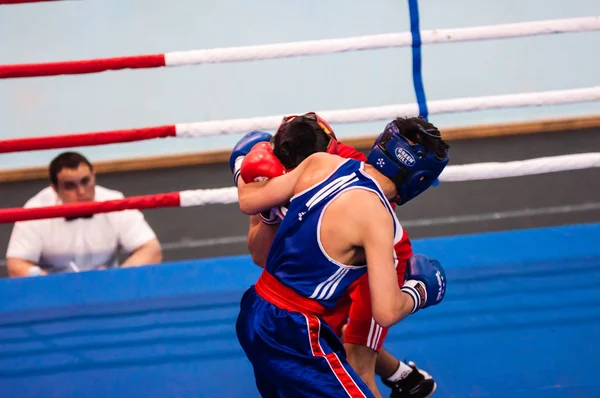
<point x="260" y="164"/>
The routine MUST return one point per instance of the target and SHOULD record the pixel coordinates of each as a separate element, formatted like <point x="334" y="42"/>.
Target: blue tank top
<point x="297" y="258"/>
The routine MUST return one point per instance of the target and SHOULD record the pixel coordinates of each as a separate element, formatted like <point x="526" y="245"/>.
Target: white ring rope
<point x="519" y="168"/>
<point x="356" y="115"/>
<point x="403" y="39"/>
<point x="465" y="172"/>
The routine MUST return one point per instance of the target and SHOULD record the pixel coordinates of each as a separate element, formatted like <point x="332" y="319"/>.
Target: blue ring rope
<point x="413" y="6"/>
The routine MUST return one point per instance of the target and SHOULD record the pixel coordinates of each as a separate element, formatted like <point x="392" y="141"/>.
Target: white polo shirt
<point x="58" y="245"/>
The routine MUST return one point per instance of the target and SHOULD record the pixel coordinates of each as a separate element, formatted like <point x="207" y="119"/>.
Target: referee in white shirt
<point x="56" y="245"/>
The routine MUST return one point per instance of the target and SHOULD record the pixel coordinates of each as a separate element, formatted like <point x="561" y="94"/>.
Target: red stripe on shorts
<point x="314" y="330"/>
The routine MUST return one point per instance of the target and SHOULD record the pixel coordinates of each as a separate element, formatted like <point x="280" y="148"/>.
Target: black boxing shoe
<point x="418" y="384"/>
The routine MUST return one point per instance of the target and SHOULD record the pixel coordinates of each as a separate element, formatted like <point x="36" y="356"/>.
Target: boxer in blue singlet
<point x="339" y="224"/>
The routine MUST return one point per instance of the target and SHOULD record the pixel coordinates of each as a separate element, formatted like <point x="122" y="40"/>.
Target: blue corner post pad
<point x="416" y="58"/>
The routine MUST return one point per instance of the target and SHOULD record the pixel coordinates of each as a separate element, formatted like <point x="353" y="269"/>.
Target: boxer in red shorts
<point x="295" y="139"/>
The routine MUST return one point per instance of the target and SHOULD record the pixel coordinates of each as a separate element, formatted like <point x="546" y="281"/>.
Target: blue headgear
<point x="411" y="167"/>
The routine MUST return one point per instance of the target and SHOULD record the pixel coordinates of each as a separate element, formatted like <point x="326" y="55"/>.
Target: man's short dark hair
<point x="66" y="160"/>
<point x="422" y="132"/>
<point x="297" y="140"/>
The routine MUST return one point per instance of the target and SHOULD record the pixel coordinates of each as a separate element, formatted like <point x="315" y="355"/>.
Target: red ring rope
<point x="85" y="139"/>
<point x="23" y="1"/>
<point x="81" y="67"/>
<point x="171" y="199"/>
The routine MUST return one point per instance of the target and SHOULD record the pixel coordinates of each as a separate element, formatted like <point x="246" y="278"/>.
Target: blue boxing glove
<point x="241" y="149"/>
<point x="425" y="281"/>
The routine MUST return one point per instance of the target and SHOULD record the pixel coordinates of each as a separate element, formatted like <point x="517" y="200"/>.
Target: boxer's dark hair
<point x="420" y="131"/>
<point x="66" y="160"/>
<point x="297" y="140"/>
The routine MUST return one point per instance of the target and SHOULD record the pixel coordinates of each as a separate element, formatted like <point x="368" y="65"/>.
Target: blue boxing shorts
<point x="293" y="353"/>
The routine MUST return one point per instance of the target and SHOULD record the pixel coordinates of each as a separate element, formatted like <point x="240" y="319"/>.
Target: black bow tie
<point x="77" y="217"/>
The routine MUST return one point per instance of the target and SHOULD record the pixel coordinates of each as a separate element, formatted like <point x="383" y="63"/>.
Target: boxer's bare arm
<point x="263" y="195"/>
<point x="260" y="235"/>
<point x="260" y="238"/>
<point x="375" y="226"/>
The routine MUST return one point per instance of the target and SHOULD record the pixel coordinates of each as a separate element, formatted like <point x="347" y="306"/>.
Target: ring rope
<point x="227" y="195"/>
<point x="5" y="2"/>
<point x="301" y="48"/>
<point x="520" y="168"/>
<point x="188" y="198"/>
<point x="233" y="126"/>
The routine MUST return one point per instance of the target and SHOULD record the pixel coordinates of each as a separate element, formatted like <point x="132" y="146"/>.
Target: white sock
<point x="401" y="373"/>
